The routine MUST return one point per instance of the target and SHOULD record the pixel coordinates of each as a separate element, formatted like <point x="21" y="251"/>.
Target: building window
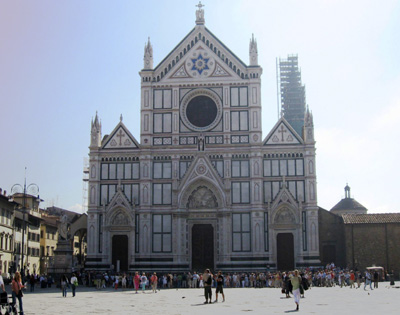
<point x="120" y="171"/>
<point x="240" y="192"/>
<point x="1" y="241"/>
<point x="219" y="166"/>
<point x="162" y="99"/>
<point x="137" y="234"/>
<point x="162" y="233"/>
<point x="240" y="168"/>
<point x="107" y="192"/>
<point x="304" y="229"/>
<point x="266" y="232"/>
<point x="162" y="194"/>
<point x="162" y="170"/>
<point x="131" y="192"/>
<point x="183" y="166"/>
<point x="239" y="121"/>
<point x="241" y="232"/>
<point x="283" y="167"/>
<point x="272" y="188"/>
<point x="239" y="96"/>
<point x="162" y="123"/>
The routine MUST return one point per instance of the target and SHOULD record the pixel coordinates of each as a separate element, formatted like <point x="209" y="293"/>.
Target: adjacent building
<point x="7" y="235"/>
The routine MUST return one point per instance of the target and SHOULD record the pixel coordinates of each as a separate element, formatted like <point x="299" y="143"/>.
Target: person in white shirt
<point x="74" y="284"/>
<point x="143" y="281"/>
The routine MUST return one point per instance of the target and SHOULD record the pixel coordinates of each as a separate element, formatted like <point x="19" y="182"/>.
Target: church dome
<point x="348" y="205"/>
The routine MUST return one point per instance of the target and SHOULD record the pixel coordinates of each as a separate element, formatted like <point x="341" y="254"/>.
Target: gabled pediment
<point x="282" y="134"/>
<point x="284" y="197"/>
<point x="201" y="172"/>
<point x="120" y="138"/>
<point x="200" y="55"/>
<point x="119" y="200"/>
<point x="201" y="167"/>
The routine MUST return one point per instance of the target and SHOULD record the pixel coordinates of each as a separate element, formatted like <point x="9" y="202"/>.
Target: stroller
<point x="6" y="304"/>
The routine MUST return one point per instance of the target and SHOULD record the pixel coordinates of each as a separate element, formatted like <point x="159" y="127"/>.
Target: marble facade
<point x="202" y="188"/>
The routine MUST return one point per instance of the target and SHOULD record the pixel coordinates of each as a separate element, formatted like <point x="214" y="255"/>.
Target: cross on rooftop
<point x="200" y="5"/>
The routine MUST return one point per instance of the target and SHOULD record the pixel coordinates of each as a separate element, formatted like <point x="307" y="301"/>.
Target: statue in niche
<point x="285" y="216"/>
<point x="120" y="219"/>
<point x="202" y="198"/>
<point x="201" y="144"/>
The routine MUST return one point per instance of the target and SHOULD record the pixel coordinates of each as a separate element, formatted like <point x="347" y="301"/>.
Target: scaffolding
<point x="85" y="185"/>
<point x="292" y="96"/>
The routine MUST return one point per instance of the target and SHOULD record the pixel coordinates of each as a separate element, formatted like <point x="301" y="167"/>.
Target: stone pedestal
<point x="62" y="259"/>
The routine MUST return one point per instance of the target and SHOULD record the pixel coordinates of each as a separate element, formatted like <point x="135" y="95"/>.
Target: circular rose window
<point x="201" y="110"/>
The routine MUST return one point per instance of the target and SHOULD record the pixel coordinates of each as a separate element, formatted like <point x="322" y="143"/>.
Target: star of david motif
<point x="200" y="64"/>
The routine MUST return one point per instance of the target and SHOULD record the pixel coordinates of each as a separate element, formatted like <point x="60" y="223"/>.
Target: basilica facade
<point x="202" y="188"/>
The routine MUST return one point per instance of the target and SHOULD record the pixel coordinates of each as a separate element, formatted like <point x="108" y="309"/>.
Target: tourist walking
<point x="220" y="286"/>
<point x="16" y="287"/>
<point x="376" y="279"/>
<point x="32" y="281"/>
<point x="136" y="281"/>
<point x="74" y="284"/>
<point x="368" y="280"/>
<point x="352" y="279"/>
<point x="153" y="281"/>
<point x="143" y="281"/>
<point x="64" y="284"/>
<point x="207" y="281"/>
<point x="296" y="282"/>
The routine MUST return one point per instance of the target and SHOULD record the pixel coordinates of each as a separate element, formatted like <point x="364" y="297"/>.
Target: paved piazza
<point x="384" y="300"/>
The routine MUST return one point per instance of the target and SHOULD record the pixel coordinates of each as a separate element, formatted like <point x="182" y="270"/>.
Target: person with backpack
<point x="207" y="281"/>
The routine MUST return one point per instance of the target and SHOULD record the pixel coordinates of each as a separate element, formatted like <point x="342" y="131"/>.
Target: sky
<point x="61" y="61"/>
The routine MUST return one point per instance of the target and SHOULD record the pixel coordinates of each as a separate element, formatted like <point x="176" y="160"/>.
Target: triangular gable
<point x="201" y="167"/>
<point x="283" y="196"/>
<point x="119" y="200"/>
<point x="282" y="134"/>
<point x="200" y="54"/>
<point x="120" y="138"/>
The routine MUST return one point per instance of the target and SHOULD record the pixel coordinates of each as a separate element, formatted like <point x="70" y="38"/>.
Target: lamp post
<point x="32" y="189"/>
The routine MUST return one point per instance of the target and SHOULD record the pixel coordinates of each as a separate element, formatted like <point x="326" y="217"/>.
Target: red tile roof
<point x="371" y="218"/>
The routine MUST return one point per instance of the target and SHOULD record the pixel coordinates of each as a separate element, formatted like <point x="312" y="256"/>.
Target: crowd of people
<point x="322" y="277"/>
<point x="294" y="282"/>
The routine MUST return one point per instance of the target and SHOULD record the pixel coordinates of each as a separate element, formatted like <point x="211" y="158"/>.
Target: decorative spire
<point x="95" y="133"/>
<point x="148" y="55"/>
<point x="121" y="118"/>
<point x="200" y="14"/>
<point x="253" y="52"/>
<point x="308" y="119"/>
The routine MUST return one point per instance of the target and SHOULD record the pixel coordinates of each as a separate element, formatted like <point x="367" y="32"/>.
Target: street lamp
<point x="31" y="189"/>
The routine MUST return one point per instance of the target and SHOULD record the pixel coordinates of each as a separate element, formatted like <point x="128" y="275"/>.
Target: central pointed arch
<point x="190" y="198"/>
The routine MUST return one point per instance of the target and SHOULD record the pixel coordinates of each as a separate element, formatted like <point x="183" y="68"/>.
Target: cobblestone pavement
<point x="385" y="300"/>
